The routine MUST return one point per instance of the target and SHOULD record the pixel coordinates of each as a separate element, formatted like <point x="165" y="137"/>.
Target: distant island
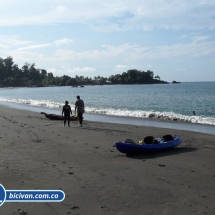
<point x="30" y="76"/>
<point x="175" y="82"/>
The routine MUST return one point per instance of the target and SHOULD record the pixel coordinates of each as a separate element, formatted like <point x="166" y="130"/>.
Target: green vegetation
<point x="12" y="76"/>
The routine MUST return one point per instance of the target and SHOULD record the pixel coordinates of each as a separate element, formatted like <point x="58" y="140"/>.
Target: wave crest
<point x="166" y="116"/>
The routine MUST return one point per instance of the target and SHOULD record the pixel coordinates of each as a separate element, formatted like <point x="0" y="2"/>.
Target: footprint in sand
<point x="75" y="208"/>
<point x="70" y="173"/>
<point x="105" y="208"/>
<point x="20" y="212"/>
<point x="162" y="165"/>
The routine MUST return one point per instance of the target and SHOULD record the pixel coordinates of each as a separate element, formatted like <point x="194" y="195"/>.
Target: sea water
<point x="166" y="102"/>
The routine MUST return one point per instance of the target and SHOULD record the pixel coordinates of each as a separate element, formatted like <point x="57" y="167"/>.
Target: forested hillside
<point x="13" y="76"/>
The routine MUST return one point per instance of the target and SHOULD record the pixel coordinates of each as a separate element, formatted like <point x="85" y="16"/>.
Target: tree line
<point x="13" y="76"/>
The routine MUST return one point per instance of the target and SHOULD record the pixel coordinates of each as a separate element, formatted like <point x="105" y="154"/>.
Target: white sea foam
<point x="41" y="103"/>
<point x="168" y="116"/>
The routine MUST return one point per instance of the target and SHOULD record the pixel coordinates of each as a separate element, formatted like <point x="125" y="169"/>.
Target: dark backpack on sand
<point x="149" y="140"/>
<point x="167" y="138"/>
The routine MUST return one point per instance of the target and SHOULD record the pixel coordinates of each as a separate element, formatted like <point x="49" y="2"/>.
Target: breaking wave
<point x="166" y="116"/>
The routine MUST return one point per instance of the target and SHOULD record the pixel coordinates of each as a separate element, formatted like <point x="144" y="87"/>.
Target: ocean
<point x="163" y="102"/>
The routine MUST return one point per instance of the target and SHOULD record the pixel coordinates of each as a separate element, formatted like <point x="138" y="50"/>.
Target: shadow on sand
<point x="164" y="153"/>
<point x="103" y="129"/>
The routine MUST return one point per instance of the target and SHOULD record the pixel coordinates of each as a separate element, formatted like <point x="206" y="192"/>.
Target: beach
<point x="40" y="154"/>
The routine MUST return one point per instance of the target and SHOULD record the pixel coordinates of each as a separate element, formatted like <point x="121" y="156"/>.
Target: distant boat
<point x="175" y="82"/>
<point x="77" y="86"/>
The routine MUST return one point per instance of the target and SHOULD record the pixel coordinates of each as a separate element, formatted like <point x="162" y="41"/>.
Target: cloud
<point x="111" y="58"/>
<point x="63" y="41"/>
<point x="22" y="56"/>
<point x="181" y="50"/>
<point x="106" y="51"/>
<point x="136" y="54"/>
<point x="112" y="15"/>
<point x="3" y="46"/>
<point x="66" y="70"/>
<point x="122" y="68"/>
<point x="78" y="69"/>
<point x="11" y="40"/>
<point x="35" y="46"/>
<point x="200" y="38"/>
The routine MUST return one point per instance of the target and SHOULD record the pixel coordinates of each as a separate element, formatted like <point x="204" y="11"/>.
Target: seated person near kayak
<point x="66" y="111"/>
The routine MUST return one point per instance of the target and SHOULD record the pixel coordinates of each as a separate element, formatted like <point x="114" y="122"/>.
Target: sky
<point x="174" y="39"/>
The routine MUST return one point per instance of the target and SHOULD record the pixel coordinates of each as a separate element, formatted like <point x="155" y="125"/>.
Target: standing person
<point x="79" y="105"/>
<point x="66" y="111"/>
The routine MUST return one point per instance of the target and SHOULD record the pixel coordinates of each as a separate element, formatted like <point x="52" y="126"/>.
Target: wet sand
<point x="40" y="154"/>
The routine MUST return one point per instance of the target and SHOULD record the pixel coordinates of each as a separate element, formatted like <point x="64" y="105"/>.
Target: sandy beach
<point x="40" y="154"/>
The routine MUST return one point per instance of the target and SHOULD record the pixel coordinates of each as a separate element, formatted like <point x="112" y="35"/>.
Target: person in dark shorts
<point x="79" y="105"/>
<point x="66" y="111"/>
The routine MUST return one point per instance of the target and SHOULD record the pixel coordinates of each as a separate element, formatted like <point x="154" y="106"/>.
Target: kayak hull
<point x="60" y="117"/>
<point x="128" y="148"/>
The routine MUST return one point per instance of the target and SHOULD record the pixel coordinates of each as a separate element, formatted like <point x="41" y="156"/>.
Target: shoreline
<point x="187" y="126"/>
<point x="40" y="154"/>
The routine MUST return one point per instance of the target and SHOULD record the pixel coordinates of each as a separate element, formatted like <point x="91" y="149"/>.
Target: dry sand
<point x="39" y="154"/>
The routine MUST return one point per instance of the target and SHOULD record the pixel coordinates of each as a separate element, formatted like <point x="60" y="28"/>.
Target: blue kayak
<point x="128" y="148"/>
